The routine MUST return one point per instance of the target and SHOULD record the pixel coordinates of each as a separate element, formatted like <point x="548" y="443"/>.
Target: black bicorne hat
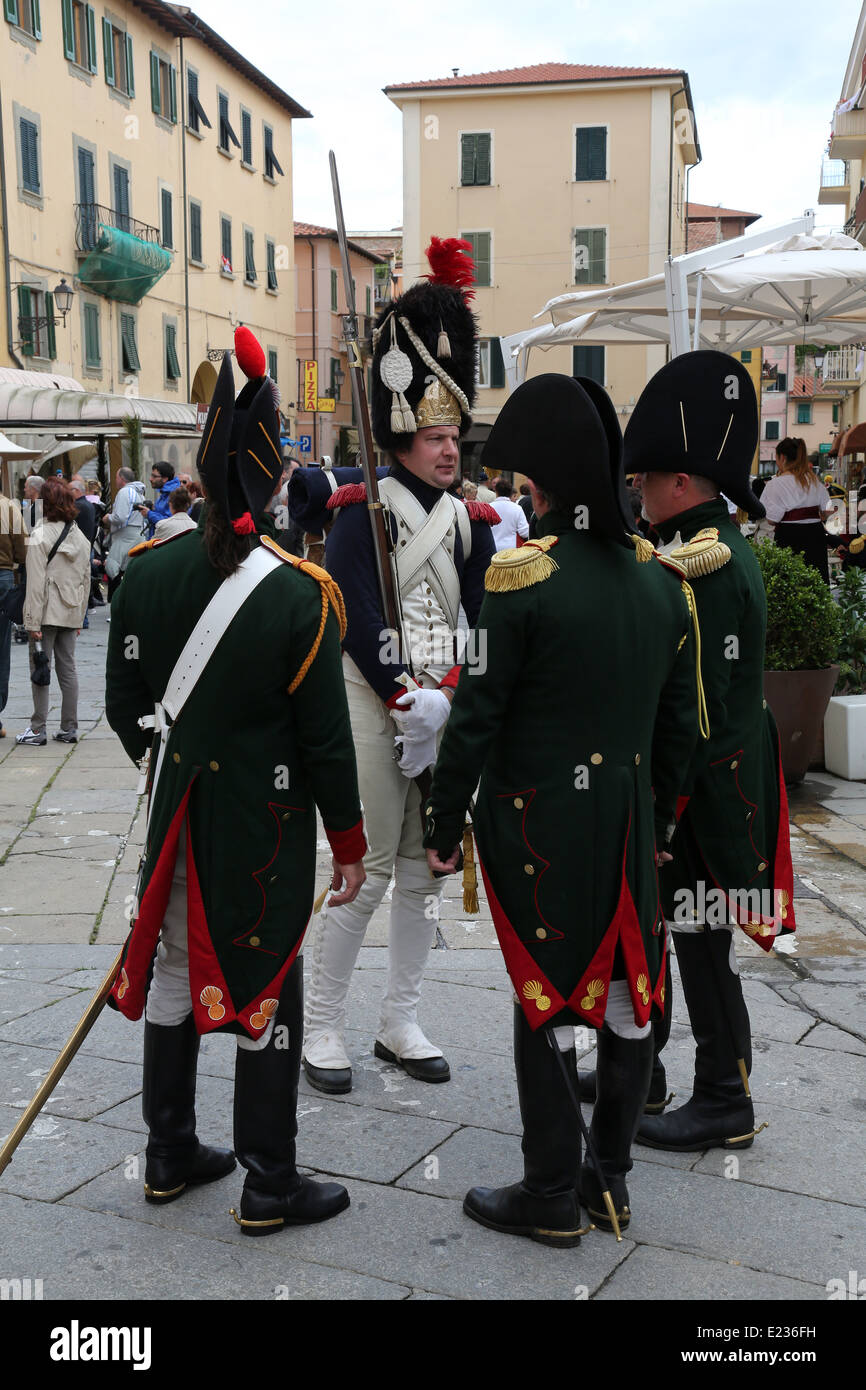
<point x="698" y="414"/>
<point x="564" y="435"/>
<point x="239" y="457"/>
<point x="424" y="352"/>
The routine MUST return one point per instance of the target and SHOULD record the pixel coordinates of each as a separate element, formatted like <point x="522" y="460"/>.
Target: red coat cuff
<point x="449" y="681"/>
<point x="391" y="702"/>
<point x="347" y="846"/>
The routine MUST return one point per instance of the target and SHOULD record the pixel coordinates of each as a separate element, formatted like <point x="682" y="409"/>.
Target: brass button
<point x="429" y="810"/>
<point x="734" y="764"/>
<point x="287" y="815"/>
<point x="765" y="704"/>
<point x="637" y="759"/>
<point x="255" y="941"/>
<point x="541" y="934"/>
<point x="529" y="868"/>
<point x="214" y="766"/>
<point x="176" y="757"/>
<point x="596" y="758"/>
<point x="518" y="801"/>
<point x="273" y="878"/>
<point x="761" y="868"/>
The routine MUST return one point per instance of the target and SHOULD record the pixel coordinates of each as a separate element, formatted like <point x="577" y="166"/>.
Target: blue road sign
<point x="306" y="443"/>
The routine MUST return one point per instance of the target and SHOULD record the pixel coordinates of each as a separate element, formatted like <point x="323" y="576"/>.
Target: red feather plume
<point x="250" y="354"/>
<point x="451" y="264"/>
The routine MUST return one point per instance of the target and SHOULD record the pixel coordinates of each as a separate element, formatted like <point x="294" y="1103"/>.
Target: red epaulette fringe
<point x="346" y="495"/>
<point x="482" y="511"/>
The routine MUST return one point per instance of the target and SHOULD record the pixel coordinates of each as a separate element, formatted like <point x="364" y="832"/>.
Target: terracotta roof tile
<point x="305" y="229"/>
<point x="538" y="73"/>
<point x="702" y="211"/>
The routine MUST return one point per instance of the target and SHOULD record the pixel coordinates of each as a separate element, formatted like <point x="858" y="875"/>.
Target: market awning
<point x="852" y="441"/>
<point x="122" y="266"/>
<point x="76" y="414"/>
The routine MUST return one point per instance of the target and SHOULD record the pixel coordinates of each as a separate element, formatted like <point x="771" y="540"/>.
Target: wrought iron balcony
<point x="90" y="216"/>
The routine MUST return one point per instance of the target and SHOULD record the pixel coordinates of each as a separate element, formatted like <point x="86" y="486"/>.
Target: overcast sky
<point x="765" y="79"/>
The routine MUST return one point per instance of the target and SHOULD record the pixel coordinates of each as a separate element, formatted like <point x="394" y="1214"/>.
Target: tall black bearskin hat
<point x="239" y="458"/>
<point x="424" y="351"/>
<point x="698" y="414"/>
<point x="564" y="434"/>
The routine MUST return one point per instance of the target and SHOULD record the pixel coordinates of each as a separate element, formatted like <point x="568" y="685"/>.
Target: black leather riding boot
<point x="720" y="1114"/>
<point x="658" y="1098"/>
<point x="175" y="1158"/>
<point x="624" y="1066"/>
<point x="544" y="1205"/>
<point x="266" y="1126"/>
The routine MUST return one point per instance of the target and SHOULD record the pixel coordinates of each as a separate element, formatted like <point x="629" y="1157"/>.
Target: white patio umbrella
<point x="770" y="289"/>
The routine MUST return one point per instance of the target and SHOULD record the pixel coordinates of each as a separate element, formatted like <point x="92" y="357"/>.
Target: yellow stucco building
<point x="560" y="175"/>
<point x="147" y="164"/>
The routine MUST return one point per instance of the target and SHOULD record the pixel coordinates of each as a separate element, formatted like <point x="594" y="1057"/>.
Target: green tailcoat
<point x="732" y="857"/>
<point x="582" y="703"/>
<point x="246" y="764"/>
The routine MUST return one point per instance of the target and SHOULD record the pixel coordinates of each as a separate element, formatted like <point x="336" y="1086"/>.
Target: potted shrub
<point x="804" y="626"/>
<point x="845" y="720"/>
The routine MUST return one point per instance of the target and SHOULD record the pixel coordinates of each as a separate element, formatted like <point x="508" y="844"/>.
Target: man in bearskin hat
<point x="578" y="730"/>
<point x="243" y="691"/>
<point x="691" y="438"/>
<point x="422" y="392"/>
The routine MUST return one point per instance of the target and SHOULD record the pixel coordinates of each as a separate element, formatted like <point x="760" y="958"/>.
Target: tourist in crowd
<point x="179" y="518"/>
<point x="797" y="505"/>
<point x="512" y="519"/>
<point x="125" y="523"/>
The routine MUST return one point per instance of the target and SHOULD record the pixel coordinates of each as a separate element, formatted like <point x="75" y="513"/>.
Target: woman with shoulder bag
<point x="58" y="587"/>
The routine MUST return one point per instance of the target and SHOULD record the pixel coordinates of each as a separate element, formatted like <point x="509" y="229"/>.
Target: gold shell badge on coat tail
<point x="642" y="989"/>
<point x="210" y="997"/>
<point x="594" y="991"/>
<point x="533" y="990"/>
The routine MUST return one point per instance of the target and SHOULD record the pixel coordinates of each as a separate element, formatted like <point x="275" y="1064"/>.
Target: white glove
<point x="420" y="713"/>
<point x="418" y="754"/>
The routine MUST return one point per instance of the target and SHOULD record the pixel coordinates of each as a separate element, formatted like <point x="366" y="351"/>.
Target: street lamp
<point x="819" y="361"/>
<point x="63" y="296"/>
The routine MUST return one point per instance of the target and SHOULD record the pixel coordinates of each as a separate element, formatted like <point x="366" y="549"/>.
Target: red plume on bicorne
<point x="250" y="355"/>
<point x="451" y="264"/>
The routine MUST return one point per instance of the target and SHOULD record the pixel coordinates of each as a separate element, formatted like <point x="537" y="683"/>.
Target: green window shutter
<point x="91" y="37"/>
<point x="588" y="362"/>
<point x="29" y="156"/>
<point x="154" y="84"/>
<point x="482" y="158"/>
<point x="804" y="413"/>
<point x="271" y="254"/>
<point x="167" y="237"/>
<point x="194" y="232"/>
<point x="130" y="70"/>
<point x="49" y="313"/>
<point x="24" y="312"/>
<point x="92" y="356"/>
<point x="368" y="297"/>
<point x="467" y="160"/>
<point x="131" y="362"/>
<point x="247" y="137"/>
<point x="172" y="366"/>
<point x="333" y="291"/>
<point x="226" y="239"/>
<point x="249" y="257"/>
<point x="37" y="19"/>
<point x="172" y="92"/>
<point x="108" y="52"/>
<point x="10" y="11"/>
<point x="591" y="153"/>
<point x="480" y="243"/>
<point x="590" y="245"/>
<point x="835" y="414"/>
<point x="272" y="363"/>
<point x="68" y="30"/>
<point x="497" y="366"/>
<point x="746" y="356"/>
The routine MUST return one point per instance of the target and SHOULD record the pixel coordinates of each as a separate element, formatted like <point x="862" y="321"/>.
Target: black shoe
<point x="550" y="1220"/>
<point x="332" y="1081"/>
<point x="697" y="1125"/>
<point x="266" y="1126"/>
<point x="420" y="1068"/>
<point x="175" y="1158"/>
<point x="592" y="1200"/>
<point x="65" y="736"/>
<point x="623" y="1078"/>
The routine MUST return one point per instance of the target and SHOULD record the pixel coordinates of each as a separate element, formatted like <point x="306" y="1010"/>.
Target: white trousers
<point x="619" y="1017"/>
<point x="169" y="1000"/>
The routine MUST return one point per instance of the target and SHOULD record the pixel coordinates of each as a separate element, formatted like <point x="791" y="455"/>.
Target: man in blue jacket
<point x="161" y="478"/>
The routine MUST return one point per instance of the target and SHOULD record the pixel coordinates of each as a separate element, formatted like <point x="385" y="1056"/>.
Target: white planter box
<point x="845" y="737"/>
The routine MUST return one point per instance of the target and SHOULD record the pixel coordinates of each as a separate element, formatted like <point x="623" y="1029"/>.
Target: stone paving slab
<point x="824" y="1035"/>
<point x="88" y="1087"/>
<point x="761" y="1228"/>
<point x="60" y="958"/>
<point x="58" y="1154"/>
<point x="112" y="1036"/>
<point x="844" y="1005"/>
<point x="85" y="1255"/>
<point x="81" y="887"/>
<point x="651" y="1273"/>
<point x="423" y="1241"/>
<point x="20" y="997"/>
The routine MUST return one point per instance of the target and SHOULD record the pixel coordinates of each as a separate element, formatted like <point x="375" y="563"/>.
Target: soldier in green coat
<point x="247" y="742"/>
<point x="578" y="718"/>
<point x="691" y="437"/>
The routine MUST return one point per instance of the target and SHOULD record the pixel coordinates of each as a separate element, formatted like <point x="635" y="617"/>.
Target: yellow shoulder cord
<point x="703" y="712"/>
<point x="330" y="595"/>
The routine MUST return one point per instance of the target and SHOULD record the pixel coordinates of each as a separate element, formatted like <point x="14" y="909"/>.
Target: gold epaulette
<point x="704" y="553"/>
<point x="142" y="545"/>
<point x="644" y="549"/>
<point x="331" y="596"/>
<point x="520" y="568"/>
<point x="675" y="566"/>
<point x="857" y="545"/>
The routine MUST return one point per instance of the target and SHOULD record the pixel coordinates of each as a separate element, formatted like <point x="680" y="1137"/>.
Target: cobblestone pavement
<point x="778" y="1221"/>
